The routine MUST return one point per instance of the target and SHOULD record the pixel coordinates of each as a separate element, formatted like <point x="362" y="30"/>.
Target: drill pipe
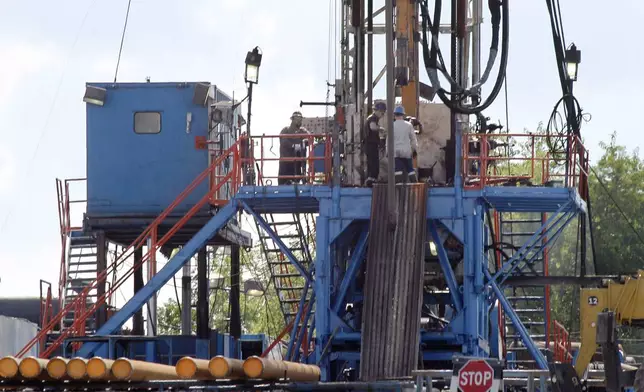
<point x="133" y="370"/>
<point x="268" y="369"/>
<point x="57" y="367"/>
<point x="100" y="369"/>
<point x="222" y="367"/>
<point x="32" y="367"/>
<point x="192" y="369"/>
<point x="8" y="367"/>
<point x="77" y="368"/>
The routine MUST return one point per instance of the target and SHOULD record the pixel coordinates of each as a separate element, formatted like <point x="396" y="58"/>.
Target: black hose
<point x="442" y="93"/>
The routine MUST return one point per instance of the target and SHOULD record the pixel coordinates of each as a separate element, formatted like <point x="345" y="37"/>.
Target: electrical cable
<point x="118" y="61"/>
<point x="176" y="292"/>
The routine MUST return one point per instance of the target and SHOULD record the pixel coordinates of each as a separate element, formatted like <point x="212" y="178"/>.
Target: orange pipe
<point x="98" y="368"/>
<point x="222" y="367"/>
<point x="9" y="367"/>
<point x="57" y="368"/>
<point x="189" y="368"/>
<point x="133" y="370"/>
<point x="268" y="369"/>
<point x="32" y="367"/>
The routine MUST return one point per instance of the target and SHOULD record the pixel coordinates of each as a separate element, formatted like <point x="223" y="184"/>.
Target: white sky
<point x="49" y="49"/>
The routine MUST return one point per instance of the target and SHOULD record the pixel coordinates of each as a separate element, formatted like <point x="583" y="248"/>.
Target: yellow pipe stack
<point x="124" y="369"/>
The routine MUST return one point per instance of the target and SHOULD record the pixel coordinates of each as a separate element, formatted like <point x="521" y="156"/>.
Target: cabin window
<point x="147" y="122"/>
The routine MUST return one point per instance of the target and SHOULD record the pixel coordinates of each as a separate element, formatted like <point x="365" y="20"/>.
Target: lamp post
<point x="572" y="58"/>
<point x="251" y="76"/>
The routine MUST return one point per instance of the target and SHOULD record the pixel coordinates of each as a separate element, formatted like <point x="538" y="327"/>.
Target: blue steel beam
<point x="295" y="353"/>
<point x="354" y="266"/>
<point x="516" y="321"/>
<point x="447" y="268"/>
<point x="163" y="276"/>
<point x="280" y="244"/>
<point x="532" y="240"/>
<point x="298" y="316"/>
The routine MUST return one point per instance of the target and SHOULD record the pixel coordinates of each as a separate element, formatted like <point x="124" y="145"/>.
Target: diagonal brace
<point x="532" y="240"/>
<point x="551" y="239"/>
<point x="280" y="244"/>
<point x="448" y="272"/>
<point x="354" y="266"/>
<point x="510" y="312"/>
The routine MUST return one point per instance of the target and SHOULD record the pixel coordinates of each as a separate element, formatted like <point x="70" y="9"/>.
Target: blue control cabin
<point x="146" y="142"/>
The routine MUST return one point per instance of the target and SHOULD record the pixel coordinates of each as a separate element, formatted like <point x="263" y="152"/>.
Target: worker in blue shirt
<point x="405" y="147"/>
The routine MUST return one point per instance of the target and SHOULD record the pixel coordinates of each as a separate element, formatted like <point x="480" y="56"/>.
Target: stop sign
<point x="476" y="376"/>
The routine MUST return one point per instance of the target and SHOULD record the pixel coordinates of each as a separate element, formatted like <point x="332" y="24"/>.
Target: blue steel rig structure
<point x="468" y="222"/>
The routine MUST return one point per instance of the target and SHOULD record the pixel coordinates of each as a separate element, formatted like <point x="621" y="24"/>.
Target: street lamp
<point x="573" y="58"/>
<point x="253" y="61"/>
<point x="251" y="76"/>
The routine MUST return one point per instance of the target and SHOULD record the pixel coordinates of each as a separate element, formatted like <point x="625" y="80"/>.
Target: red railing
<point x="149" y="233"/>
<point x="562" y="346"/>
<point x="64" y="221"/>
<point x="46" y="310"/>
<point x="485" y="164"/>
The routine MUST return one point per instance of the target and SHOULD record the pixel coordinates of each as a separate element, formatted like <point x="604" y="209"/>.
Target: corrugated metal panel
<point x="15" y="333"/>
<point x="393" y="287"/>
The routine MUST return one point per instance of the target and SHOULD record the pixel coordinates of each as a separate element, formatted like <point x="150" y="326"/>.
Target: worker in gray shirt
<point x="405" y="147"/>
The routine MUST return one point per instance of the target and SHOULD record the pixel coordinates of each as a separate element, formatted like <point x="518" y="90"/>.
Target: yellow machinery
<point x="625" y="299"/>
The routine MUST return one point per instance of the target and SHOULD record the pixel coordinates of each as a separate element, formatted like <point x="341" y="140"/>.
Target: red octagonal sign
<point x="476" y="376"/>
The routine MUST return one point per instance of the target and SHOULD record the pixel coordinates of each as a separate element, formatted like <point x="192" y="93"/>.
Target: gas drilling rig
<point x="449" y="275"/>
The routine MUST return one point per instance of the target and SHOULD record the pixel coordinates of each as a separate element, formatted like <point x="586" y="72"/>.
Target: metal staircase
<point x="82" y="271"/>
<point x="288" y="282"/>
<point x="531" y="303"/>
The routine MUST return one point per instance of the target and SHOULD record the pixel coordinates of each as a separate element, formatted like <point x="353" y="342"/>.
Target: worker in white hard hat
<point x="405" y="147"/>
<point x="291" y="147"/>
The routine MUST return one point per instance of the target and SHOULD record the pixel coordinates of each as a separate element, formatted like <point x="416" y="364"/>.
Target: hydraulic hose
<point x="432" y="68"/>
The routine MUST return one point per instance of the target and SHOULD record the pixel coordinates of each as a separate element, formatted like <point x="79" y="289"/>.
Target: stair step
<point x="83" y="255"/>
<point x="72" y="263"/>
<point x="503" y="221"/>
<point x="525" y="298"/>
<point x="282" y="223"/>
<point x="81" y="271"/>
<point x="288" y="276"/>
<point x="276" y="250"/>
<point x="285" y="236"/>
<point x="295" y="288"/>
<point x="537" y="336"/>
<point x="527" y="323"/>
<point x="517" y="234"/>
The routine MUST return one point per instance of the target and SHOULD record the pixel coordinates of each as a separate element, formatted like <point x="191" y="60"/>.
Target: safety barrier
<point x="561" y="340"/>
<point x="523" y="158"/>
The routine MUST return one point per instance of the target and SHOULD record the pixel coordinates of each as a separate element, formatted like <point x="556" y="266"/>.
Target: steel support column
<point x="322" y="285"/>
<point x="354" y="266"/>
<point x="137" y="319"/>
<point x="235" y="313"/>
<point x="101" y="265"/>
<point x="202" y="294"/>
